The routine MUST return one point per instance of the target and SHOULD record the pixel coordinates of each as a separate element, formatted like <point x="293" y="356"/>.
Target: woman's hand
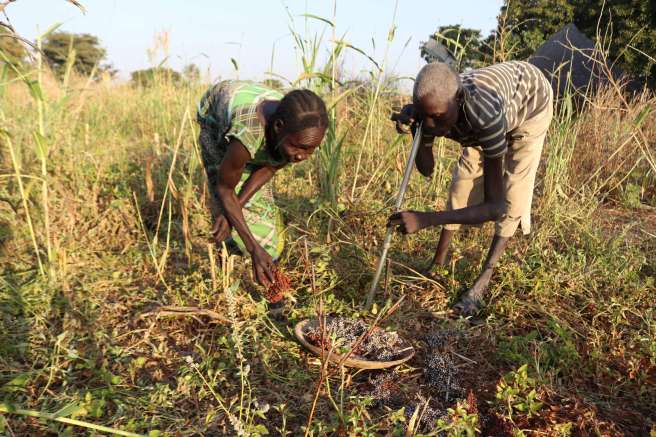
<point x="221" y="229"/>
<point x="262" y="266"/>
<point x="408" y="222"/>
<point x="404" y="119"/>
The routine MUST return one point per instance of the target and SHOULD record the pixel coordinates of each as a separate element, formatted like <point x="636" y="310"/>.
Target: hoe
<point x="399" y="201"/>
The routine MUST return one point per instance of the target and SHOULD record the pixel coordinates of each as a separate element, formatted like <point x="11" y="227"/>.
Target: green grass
<point x="573" y="302"/>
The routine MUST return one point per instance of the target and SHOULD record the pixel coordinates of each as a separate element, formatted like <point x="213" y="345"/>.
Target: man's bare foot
<point x="469" y="304"/>
<point x="466" y="307"/>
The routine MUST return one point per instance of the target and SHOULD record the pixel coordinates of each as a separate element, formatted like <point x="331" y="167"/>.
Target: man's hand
<point x="425" y="161"/>
<point x="406" y="117"/>
<point x="262" y="265"/>
<point x="221" y="229"/>
<point x="408" y="222"/>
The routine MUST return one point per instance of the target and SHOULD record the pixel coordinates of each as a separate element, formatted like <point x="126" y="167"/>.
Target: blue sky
<point x="209" y="33"/>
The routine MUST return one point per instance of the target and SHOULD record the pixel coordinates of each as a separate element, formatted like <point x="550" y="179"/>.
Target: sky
<point x="211" y="33"/>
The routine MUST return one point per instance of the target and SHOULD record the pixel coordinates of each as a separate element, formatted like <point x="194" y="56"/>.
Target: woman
<point x="247" y="133"/>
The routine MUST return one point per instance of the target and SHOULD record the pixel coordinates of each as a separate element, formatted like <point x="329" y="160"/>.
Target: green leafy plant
<point x="461" y="422"/>
<point x="517" y="394"/>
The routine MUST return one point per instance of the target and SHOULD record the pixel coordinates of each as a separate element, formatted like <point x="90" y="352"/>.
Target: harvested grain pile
<point x="341" y="334"/>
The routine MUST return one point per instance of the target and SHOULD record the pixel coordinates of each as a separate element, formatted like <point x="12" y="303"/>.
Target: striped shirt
<point x="497" y="100"/>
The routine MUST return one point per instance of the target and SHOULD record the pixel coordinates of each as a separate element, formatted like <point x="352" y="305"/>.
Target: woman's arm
<point x="255" y="181"/>
<point x="490" y="210"/>
<point x="260" y="176"/>
<point x="230" y="171"/>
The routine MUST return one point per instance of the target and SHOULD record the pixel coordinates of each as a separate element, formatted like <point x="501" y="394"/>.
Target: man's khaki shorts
<point x="521" y="162"/>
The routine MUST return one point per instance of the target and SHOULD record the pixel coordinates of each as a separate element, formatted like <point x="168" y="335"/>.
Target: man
<point x="247" y="133"/>
<point x="500" y="115"/>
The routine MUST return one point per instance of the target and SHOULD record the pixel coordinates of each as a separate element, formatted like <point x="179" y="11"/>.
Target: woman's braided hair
<point x="302" y="109"/>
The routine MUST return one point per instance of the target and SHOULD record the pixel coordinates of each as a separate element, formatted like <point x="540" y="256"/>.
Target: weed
<point x="517" y="395"/>
<point x="460" y="422"/>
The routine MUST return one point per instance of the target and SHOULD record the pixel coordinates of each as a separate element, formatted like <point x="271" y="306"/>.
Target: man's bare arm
<point x="492" y="207"/>
<point x="490" y="210"/>
<point x="425" y="161"/>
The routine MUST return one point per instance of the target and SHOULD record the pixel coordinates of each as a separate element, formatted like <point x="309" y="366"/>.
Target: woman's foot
<point x="280" y="310"/>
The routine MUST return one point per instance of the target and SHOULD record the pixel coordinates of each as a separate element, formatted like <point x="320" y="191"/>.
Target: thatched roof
<point x="570" y="53"/>
<point x="437" y="52"/>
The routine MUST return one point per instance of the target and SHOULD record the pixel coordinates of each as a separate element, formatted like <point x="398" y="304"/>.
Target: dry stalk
<point x="324" y="359"/>
<point x="175" y="311"/>
<point x="186" y="232"/>
<point x="169" y="180"/>
<point x="151" y="249"/>
<point x="24" y="200"/>
<point x="210" y="254"/>
<point x="150" y="186"/>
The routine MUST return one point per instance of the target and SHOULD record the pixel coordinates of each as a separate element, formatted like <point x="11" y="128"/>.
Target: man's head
<point x="298" y="124"/>
<point x="436" y="97"/>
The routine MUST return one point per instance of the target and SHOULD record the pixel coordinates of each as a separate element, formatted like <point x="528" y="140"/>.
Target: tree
<point x="12" y="48"/>
<point x="155" y="75"/>
<point x="632" y="32"/>
<point x="631" y="26"/>
<point x="191" y="73"/>
<point x="529" y="23"/>
<point x="462" y="43"/>
<point x="86" y="49"/>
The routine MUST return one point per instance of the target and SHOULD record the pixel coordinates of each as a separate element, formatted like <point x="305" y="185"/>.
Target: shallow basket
<point x="405" y="353"/>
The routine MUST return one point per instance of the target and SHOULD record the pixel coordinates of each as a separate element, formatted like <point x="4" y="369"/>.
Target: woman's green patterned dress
<point x="229" y="110"/>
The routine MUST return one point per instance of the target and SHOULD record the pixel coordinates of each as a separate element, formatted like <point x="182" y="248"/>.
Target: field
<point x="104" y="218"/>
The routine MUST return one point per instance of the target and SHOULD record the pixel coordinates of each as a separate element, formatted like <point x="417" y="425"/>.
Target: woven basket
<point x="405" y="353"/>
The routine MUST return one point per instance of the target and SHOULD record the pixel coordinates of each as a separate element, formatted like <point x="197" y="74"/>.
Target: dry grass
<point x="608" y="129"/>
<point x="574" y="301"/>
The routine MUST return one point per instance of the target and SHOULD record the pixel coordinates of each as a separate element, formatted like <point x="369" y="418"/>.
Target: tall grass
<point x="103" y="215"/>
